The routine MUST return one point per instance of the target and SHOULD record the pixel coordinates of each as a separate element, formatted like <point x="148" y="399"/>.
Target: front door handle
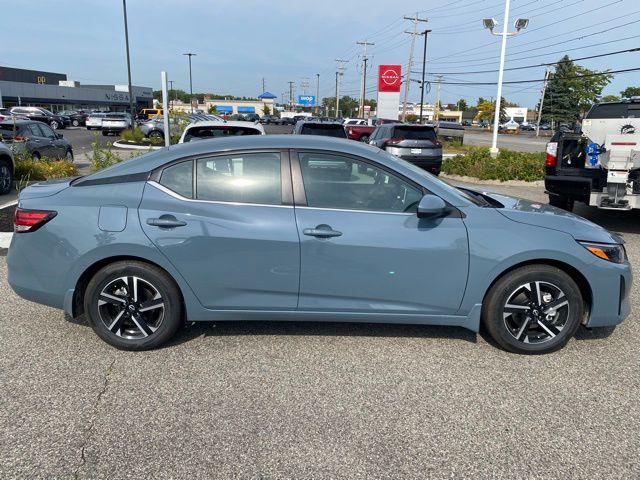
<point x="165" y="221"/>
<point x="322" y="231"/>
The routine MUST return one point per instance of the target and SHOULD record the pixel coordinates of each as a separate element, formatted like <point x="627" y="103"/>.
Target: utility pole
<point x="340" y="69"/>
<point x="407" y="80"/>
<point x="304" y="85"/>
<point x="436" y="113"/>
<point x="317" y="93"/>
<point x="424" y="65"/>
<point x="126" y="41"/>
<point x="364" y="44"/>
<point x="547" y="73"/>
<point x="263" y="87"/>
<point x="190" y="79"/>
<point x="170" y="92"/>
<point x="291" y="95"/>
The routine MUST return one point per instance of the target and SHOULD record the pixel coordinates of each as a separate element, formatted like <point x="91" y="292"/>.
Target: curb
<point x="122" y="146"/>
<point x="9" y="204"/>
<point x="506" y="183"/>
<point x="5" y="239"/>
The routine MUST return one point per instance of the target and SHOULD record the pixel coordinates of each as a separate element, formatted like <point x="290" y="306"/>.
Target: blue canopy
<point x="224" y="108"/>
<point x="267" y="95"/>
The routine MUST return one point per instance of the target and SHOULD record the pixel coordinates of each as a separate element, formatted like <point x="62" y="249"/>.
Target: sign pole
<point x="165" y="109"/>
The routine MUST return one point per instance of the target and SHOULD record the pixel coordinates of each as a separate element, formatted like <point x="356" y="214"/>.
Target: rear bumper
<point x="576" y="188"/>
<point x="430" y="164"/>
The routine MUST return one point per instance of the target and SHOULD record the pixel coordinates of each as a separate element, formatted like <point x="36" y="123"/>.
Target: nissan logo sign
<point x="390" y="77"/>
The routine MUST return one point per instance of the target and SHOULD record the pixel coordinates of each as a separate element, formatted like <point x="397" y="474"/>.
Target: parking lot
<point x="317" y="400"/>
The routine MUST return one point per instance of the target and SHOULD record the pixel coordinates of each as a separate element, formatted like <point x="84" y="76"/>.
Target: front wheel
<point x="532" y="310"/>
<point x="6" y="177"/>
<point x="54" y="125"/>
<point x="561" y="201"/>
<point x="133" y="305"/>
<point x="75" y="123"/>
<point x="364" y="138"/>
<point x="157" y="135"/>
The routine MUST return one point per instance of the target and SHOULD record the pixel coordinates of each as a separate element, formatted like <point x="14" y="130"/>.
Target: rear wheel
<point x="35" y="155"/>
<point x="133" y="305"/>
<point x="561" y="201"/>
<point x="6" y="177"/>
<point x="54" y="124"/>
<point x="69" y="155"/>
<point x="364" y="138"/>
<point x="75" y="123"/>
<point x="534" y="309"/>
<point x="156" y="134"/>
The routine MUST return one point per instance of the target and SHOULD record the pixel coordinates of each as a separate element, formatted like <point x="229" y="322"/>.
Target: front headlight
<point x="612" y="252"/>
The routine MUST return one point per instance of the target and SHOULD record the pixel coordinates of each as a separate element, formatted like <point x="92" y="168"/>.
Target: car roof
<point x="151" y="161"/>
<point x="218" y="123"/>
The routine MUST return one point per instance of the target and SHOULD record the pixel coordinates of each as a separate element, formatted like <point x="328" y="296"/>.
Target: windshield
<point x="415" y="133"/>
<point x="324" y="130"/>
<point x="200" y="133"/>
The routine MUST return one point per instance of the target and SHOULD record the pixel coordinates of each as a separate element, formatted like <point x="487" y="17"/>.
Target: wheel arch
<point x="77" y="305"/>
<point x="574" y="273"/>
<point x="9" y="161"/>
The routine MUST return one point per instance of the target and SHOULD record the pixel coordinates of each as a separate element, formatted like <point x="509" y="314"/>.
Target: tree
<point x="610" y="98"/>
<point x="265" y="109"/>
<point x="487" y="111"/>
<point x="462" y="105"/>
<point x="571" y="90"/>
<point x="212" y="110"/>
<point x="630" y="92"/>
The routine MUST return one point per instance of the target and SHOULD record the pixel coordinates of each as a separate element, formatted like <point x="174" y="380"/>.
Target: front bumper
<point x="610" y="287"/>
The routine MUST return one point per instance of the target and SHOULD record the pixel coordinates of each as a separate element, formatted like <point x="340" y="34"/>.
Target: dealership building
<point x="55" y="92"/>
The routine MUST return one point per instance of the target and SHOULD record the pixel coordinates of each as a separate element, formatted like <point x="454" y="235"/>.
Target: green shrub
<point x="28" y="169"/>
<point x="102" y="157"/>
<point x="509" y="165"/>
<point x="133" y="135"/>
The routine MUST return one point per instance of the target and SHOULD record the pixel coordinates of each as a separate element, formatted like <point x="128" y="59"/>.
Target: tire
<point x="75" y="123"/>
<point x="6" y="176"/>
<point x="122" y="320"/>
<point x="156" y="134"/>
<point x="89" y="128"/>
<point x="35" y="155"/>
<point x="69" y="155"/>
<point x="561" y="201"/>
<point x="364" y="139"/>
<point x="54" y="125"/>
<point x="514" y="318"/>
<point x="105" y="133"/>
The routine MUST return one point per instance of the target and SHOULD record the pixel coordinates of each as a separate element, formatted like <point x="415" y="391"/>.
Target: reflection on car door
<point x="231" y="233"/>
<point x="363" y="248"/>
<point x="58" y="147"/>
<point x="38" y="142"/>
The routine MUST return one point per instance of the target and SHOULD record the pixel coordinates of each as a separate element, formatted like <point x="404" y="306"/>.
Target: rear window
<point x="324" y="130"/>
<point x="415" y="133"/>
<point x="199" y="133"/>
<point x="7" y="129"/>
<point x="609" y="110"/>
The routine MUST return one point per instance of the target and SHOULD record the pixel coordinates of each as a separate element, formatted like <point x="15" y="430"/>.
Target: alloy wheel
<point x="69" y="155"/>
<point x="76" y="123"/>
<point x="5" y="178"/>
<point x="54" y="125"/>
<point x="536" y="312"/>
<point x="131" y="307"/>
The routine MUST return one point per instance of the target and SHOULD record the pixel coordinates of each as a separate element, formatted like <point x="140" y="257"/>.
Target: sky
<point x="240" y="42"/>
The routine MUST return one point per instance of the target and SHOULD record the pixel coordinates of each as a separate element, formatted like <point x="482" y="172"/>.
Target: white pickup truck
<point x="601" y="165"/>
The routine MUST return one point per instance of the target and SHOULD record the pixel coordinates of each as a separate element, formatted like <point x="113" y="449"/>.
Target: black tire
<point x="36" y="155"/>
<point x="561" y="201"/>
<point x="156" y="134"/>
<point x="69" y="155"/>
<point x="75" y="123"/>
<point x="146" y="274"/>
<point x="525" y="330"/>
<point x="6" y="176"/>
<point x="364" y="138"/>
<point x="105" y="133"/>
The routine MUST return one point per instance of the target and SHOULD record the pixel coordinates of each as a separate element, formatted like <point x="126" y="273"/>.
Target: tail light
<point x="351" y="131"/>
<point x="20" y="138"/>
<point x="552" y="153"/>
<point x="30" y="220"/>
<point x="394" y="141"/>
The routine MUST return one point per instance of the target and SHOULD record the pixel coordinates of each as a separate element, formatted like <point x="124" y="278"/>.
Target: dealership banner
<point x="389" y="83"/>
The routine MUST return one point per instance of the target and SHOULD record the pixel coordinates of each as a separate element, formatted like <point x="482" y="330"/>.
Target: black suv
<point x="41" y="115"/>
<point x="77" y="118"/>
<point x="35" y="139"/>
<point x="324" y="129"/>
<point x="417" y="144"/>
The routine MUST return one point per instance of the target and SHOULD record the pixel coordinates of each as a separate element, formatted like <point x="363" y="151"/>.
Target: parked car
<point x="252" y="117"/>
<point x="155" y="128"/>
<point x="208" y="231"/>
<point x="417" y="144"/>
<point x="76" y="118"/>
<point x="41" y="115"/>
<point x="207" y="130"/>
<point x="267" y="119"/>
<point x="450" y="131"/>
<point x="148" y="113"/>
<point x="7" y="168"/>
<point x="35" y="139"/>
<point x="116" y="123"/>
<point x="318" y="128"/>
<point x="285" y="121"/>
<point x="94" y="121"/>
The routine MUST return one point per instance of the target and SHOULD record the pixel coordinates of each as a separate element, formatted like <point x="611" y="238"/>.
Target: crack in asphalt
<point x="92" y="420"/>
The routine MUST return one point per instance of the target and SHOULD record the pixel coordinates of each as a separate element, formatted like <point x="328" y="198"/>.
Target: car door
<point x="38" y="142"/>
<point x="363" y="248"/>
<point x="57" y="146"/>
<point x="227" y="223"/>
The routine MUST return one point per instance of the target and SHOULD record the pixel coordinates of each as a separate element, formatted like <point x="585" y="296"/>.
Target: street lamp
<point x="190" y="80"/>
<point x="489" y="24"/>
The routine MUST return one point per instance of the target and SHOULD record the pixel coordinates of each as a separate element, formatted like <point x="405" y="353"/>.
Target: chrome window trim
<point x="379" y="212"/>
<point x="180" y="197"/>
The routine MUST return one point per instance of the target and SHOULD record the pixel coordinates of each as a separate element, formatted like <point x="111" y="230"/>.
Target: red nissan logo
<point x="390" y="77"/>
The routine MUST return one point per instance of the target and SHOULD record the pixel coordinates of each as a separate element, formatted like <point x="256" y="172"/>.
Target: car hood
<point x="544" y="215"/>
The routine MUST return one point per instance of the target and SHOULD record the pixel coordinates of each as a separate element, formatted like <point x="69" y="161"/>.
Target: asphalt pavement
<point x="261" y="400"/>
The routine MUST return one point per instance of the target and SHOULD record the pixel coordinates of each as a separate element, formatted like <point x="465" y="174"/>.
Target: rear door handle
<point x="322" y="231"/>
<point x="166" y="221"/>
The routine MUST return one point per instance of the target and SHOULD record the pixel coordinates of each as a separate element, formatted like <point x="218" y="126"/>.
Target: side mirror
<point x="59" y="136"/>
<point x="432" y="206"/>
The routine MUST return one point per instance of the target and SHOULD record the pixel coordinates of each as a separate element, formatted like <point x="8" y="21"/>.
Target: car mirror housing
<point x="432" y="206"/>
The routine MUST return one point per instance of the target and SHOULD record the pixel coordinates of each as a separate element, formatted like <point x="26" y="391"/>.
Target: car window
<point x="608" y="110"/>
<point x="33" y="130"/>
<point x="414" y="133"/>
<point x="333" y="181"/>
<point x="46" y="131"/>
<point x="179" y="178"/>
<point x="323" y="129"/>
<point x="199" y="133"/>
<point x="244" y="178"/>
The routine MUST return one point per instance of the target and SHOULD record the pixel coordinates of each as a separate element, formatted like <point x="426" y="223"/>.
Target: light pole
<point x="190" y="79"/>
<point x="490" y="23"/>
<point x="317" y="93"/>
<point x="424" y="64"/>
<point x="126" y="41"/>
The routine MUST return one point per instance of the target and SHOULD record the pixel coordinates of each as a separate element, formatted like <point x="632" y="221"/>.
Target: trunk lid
<point x="46" y="188"/>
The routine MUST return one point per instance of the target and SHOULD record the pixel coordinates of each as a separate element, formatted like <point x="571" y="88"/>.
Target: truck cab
<point x="600" y="165"/>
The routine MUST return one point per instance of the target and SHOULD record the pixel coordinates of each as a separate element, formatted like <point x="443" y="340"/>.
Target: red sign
<point x="389" y="78"/>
